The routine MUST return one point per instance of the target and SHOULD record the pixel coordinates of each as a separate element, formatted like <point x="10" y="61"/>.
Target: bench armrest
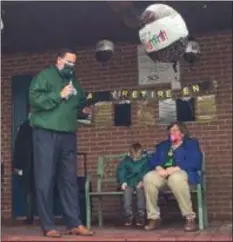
<point x="201" y="173"/>
<point x="87" y="183"/>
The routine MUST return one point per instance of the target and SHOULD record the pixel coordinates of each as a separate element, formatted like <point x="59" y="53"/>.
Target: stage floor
<point x="215" y="232"/>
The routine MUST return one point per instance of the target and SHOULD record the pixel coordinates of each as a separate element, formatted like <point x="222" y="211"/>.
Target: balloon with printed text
<point x="163" y="33"/>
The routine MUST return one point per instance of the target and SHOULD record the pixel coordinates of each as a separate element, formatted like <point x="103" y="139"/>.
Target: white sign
<point x="151" y="73"/>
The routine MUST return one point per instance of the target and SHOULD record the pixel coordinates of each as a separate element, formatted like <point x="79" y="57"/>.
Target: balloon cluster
<point x="164" y="35"/>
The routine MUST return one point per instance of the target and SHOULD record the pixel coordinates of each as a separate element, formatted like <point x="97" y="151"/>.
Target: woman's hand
<point x="172" y="169"/>
<point x="162" y="172"/>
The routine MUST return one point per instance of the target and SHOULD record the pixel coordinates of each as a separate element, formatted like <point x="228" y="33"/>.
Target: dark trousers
<point x="30" y="207"/>
<point x="30" y="195"/>
<point x="55" y="160"/>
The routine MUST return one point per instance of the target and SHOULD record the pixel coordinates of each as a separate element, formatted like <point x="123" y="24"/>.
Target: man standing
<point x="55" y="99"/>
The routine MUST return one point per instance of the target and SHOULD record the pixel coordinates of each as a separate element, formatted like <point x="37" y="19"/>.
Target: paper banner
<point x="146" y="113"/>
<point x="103" y="115"/>
<point x="205" y="108"/>
<point x="167" y="111"/>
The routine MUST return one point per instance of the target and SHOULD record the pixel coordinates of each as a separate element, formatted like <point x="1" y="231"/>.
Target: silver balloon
<point x="163" y="33"/>
<point x="192" y="51"/>
<point x="104" y="50"/>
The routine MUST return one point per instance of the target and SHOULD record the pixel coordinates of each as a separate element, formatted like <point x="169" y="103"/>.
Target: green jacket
<point x="48" y="109"/>
<point x="132" y="172"/>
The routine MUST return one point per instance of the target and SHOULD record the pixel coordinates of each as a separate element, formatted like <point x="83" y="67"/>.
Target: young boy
<point x="130" y="173"/>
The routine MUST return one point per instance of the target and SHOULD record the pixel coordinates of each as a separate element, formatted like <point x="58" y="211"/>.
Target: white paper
<point x="175" y="85"/>
<point x="150" y="72"/>
<point x="167" y="111"/>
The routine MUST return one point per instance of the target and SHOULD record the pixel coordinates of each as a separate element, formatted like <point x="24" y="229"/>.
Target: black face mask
<point x="67" y="71"/>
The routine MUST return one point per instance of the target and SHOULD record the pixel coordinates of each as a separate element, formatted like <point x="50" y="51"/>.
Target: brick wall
<point x="215" y="137"/>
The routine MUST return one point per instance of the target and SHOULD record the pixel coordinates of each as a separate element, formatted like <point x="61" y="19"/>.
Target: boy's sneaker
<point x="129" y="220"/>
<point x="140" y="220"/>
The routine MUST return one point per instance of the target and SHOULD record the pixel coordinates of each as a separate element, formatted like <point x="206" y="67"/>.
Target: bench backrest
<point x="106" y="170"/>
<point x="202" y="172"/>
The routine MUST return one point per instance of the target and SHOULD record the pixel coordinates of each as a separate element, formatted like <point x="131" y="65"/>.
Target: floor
<point x="215" y="232"/>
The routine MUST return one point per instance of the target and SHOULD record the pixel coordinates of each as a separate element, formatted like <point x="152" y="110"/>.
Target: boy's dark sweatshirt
<point x="132" y="172"/>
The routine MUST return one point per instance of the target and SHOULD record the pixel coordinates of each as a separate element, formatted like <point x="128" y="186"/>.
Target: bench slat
<point x="105" y="193"/>
<point x="170" y="192"/>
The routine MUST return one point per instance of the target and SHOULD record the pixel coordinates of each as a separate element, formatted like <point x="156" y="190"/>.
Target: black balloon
<point x="192" y="52"/>
<point x="104" y="51"/>
<point x="103" y="55"/>
<point x="190" y="57"/>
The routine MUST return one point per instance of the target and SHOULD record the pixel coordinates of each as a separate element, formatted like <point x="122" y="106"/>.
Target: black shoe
<point x="29" y="221"/>
<point x="140" y="220"/>
<point x="129" y="220"/>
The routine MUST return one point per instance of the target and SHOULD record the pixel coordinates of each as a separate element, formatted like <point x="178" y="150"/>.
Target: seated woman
<point x="129" y="174"/>
<point x="176" y="164"/>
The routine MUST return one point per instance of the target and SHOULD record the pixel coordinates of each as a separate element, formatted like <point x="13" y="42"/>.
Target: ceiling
<point x="36" y="26"/>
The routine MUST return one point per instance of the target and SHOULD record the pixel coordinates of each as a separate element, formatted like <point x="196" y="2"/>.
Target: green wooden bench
<point x="106" y="173"/>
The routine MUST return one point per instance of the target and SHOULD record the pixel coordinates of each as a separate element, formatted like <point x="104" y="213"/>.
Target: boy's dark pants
<point x="128" y="197"/>
<point x="55" y="160"/>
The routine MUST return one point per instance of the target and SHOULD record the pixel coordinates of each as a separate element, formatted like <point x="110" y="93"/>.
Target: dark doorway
<point x="20" y="86"/>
